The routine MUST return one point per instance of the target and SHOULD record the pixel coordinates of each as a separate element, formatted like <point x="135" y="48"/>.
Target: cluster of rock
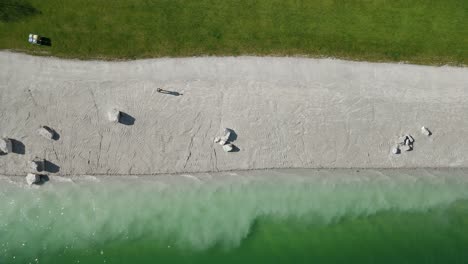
<point x="405" y="143"/>
<point x="37" y="165"/>
<point x="224" y="140"/>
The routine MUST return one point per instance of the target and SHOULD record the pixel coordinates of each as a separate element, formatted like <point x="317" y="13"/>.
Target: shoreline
<point x="235" y="171"/>
<point x="286" y="112"/>
<point x="435" y="176"/>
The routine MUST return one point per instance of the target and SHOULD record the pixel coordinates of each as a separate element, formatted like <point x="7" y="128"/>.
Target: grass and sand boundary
<point x="420" y="31"/>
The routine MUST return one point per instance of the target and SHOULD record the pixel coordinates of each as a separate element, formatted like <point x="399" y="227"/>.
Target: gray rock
<point x="37" y="165"/>
<point x="410" y="139"/>
<point x="46" y="133"/>
<point x="6" y="146"/>
<point x="407" y="142"/>
<point x="228" y="147"/>
<point x="114" y="115"/>
<point x="402" y="140"/>
<point x="396" y="150"/>
<point x="227" y="134"/>
<point x="407" y="148"/>
<point x="425" y="131"/>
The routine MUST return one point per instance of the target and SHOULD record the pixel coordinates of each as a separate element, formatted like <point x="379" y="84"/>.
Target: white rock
<point x="402" y="140"/>
<point x="6" y="146"/>
<point x="222" y="142"/>
<point x="227" y="134"/>
<point x="396" y="150"/>
<point x="217" y="139"/>
<point x="407" y="142"/>
<point x="410" y="139"/>
<point x="406" y="148"/>
<point x="228" y="147"/>
<point x="45" y="133"/>
<point x="33" y="166"/>
<point x="114" y="115"/>
<point x="426" y="131"/>
<point x="32" y="178"/>
<point x="36" y="165"/>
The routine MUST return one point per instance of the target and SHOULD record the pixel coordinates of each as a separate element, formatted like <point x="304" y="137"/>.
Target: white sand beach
<point x="286" y="112"/>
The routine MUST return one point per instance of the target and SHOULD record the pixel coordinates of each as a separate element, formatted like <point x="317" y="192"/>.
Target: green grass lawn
<point x="416" y="31"/>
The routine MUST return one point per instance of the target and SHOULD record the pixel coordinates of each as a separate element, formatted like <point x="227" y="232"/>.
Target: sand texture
<point x="285" y="112"/>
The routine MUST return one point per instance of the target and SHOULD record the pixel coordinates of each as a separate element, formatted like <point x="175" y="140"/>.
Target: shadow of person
<point x="126" y="119"/>
<point x="169" y="92"/>
<point x="175" y="93"/>
<point x="51" y="167"/>
<point x="18" y="146"/>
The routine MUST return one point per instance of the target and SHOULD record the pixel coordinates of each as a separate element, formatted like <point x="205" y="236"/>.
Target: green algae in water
<point x="337" y="216"/>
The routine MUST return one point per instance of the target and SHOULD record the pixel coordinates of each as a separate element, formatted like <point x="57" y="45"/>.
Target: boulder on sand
<point x="114" y="115"/>
<point x="228" y="147"/>
<point x="6" y="146"/>
<point x="426" y="131"/>
<point x="33" y="178"/>
<point x="402" y="140"/>
<point x="227" y="135"/>
<point x="46" y="132"/>
<point x="37" y="165"/>
<point x="407" y="147"/>
<point x="406" y="140"/>
<point x="225" y="140"/>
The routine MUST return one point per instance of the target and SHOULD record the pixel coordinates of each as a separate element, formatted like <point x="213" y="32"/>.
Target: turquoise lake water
<point x="279" y="216"/>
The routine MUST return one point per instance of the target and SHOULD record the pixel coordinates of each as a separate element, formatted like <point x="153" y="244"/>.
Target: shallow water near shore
<point x="271" y="216"/>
